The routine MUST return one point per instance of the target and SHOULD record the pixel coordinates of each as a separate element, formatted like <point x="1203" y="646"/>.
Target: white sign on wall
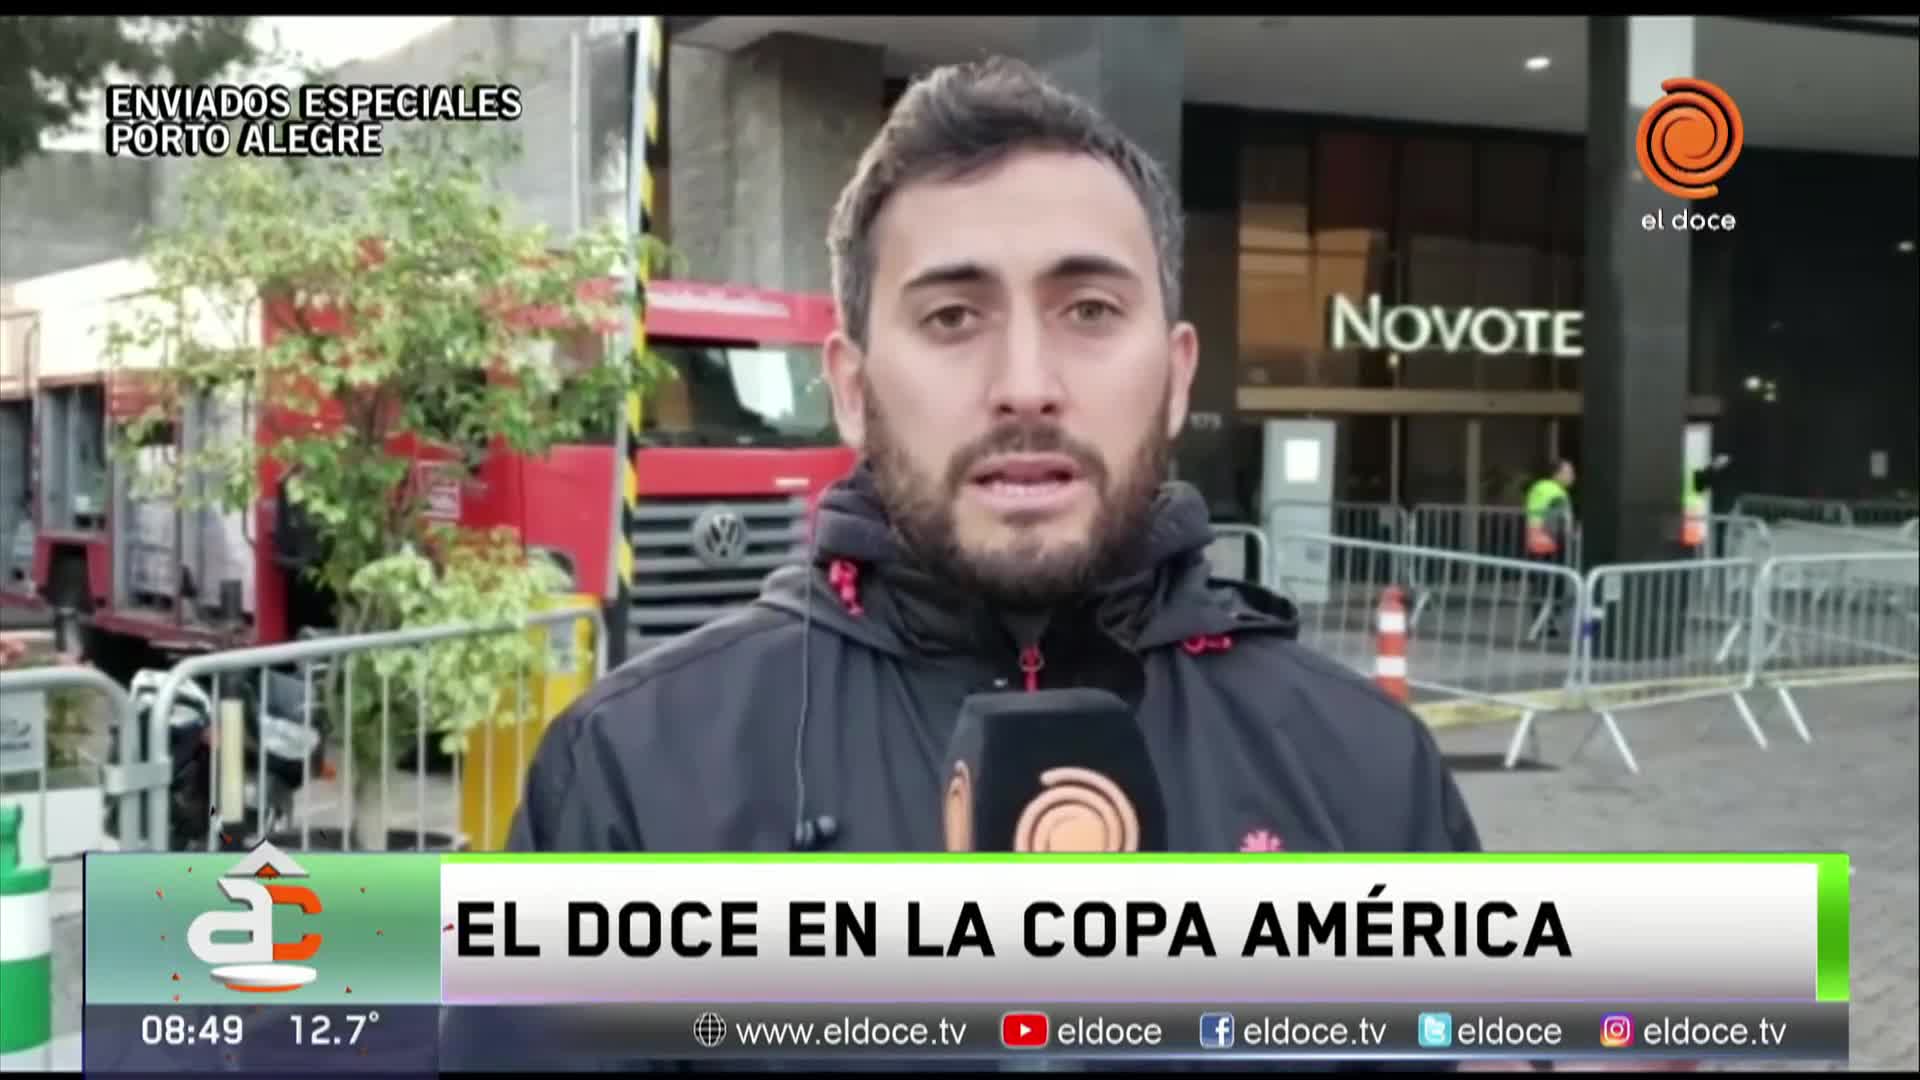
<point x="1411" y="328"/>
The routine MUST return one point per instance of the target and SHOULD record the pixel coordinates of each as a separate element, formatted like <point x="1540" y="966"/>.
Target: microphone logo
<point x="1077" y="810"/>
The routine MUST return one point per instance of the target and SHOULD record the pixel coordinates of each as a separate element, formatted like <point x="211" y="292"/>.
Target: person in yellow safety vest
<point x="1693" y="502"/>
<point x="1549" y="532"/>
<point x="1550" y="512"/>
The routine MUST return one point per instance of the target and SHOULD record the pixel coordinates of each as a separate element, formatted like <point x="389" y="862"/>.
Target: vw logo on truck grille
<point x="720" y="537"/>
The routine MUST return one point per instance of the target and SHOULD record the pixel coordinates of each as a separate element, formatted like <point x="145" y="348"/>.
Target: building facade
<point x="1395" y="239"/>
<point x="1420" y="238"/>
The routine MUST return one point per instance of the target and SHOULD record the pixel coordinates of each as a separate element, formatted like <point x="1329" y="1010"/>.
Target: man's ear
<point x="844" y="363"/>
<point x="1183" y="347"/>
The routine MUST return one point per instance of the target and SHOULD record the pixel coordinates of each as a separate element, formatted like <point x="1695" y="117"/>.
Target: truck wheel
<point x="116" y="655"/>
<point x="67" y="586"/>
<point x="68" y="592"/>
<point x="119" y="656"/>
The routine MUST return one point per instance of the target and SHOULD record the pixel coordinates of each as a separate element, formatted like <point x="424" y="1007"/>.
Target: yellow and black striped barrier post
<point x="646" y="57"/>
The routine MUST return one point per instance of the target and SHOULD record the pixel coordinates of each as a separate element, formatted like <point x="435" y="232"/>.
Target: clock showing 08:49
<point x="173" y="1029"/>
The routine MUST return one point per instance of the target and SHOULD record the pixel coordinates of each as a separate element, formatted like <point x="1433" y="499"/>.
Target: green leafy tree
<point x="55" y="63"/>
<point x="405" y="299"/>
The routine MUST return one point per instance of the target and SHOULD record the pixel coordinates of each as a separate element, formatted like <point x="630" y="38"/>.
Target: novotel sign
<point x="1410" y="328"/>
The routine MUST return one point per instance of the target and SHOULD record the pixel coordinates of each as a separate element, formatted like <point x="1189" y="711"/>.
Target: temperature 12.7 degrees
<point x="319" y="1029"/>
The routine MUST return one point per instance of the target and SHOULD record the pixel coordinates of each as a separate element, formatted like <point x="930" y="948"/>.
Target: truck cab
<point x="742" y="430"/>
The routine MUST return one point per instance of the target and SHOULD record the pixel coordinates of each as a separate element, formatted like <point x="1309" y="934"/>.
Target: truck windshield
<point x="739" y="397"/>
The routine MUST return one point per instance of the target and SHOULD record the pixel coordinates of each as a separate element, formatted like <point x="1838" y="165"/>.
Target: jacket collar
<point x="864" y="584"/>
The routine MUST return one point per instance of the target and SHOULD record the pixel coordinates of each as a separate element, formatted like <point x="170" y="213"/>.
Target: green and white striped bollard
<point x="26" y="953"/>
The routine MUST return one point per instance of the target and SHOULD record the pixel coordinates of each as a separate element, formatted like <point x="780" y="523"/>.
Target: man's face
<point x="1566" y="475"/>
<point x="1020" y="385"/>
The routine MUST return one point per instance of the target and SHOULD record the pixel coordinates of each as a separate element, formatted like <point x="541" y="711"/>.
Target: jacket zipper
<point x="1030" y="664"/>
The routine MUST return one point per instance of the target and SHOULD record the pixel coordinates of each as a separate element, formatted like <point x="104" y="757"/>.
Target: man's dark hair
<point x="963" y="118"/>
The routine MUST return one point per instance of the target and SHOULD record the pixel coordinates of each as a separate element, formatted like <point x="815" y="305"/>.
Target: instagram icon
<point x="1616" y="1031"/>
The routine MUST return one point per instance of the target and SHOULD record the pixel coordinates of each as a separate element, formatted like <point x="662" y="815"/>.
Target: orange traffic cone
<point x="1390" y="657"/>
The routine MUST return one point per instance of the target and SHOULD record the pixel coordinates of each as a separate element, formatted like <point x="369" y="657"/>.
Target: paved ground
<point x="1704" y="785"/>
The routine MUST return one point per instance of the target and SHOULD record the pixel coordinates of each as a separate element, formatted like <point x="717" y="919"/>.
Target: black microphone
<point x="1051" y="770"/>
<point x="815" y="833"/>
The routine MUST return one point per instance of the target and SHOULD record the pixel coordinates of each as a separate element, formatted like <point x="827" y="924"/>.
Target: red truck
<point x="744" y="433"/>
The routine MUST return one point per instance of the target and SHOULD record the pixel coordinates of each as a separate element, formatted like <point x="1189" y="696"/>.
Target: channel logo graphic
<point x="257" y="964"/>
<point x="1436" y="1030"/>
<point x="1689" y="139"/>
<point x="1023" y="1030"/>
<point x="1216" y="1031"/>
<point x="1616" y="1031"/>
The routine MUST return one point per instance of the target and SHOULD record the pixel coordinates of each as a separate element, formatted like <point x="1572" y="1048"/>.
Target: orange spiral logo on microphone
<point x="1690" y="138"/>
<point x="1078" y="810"/>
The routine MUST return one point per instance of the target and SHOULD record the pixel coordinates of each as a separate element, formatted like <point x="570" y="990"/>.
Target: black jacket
<point x="1259" y="742"/>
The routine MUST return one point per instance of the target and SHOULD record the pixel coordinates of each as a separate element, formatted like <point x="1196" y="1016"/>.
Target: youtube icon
<point x="1023" y="1030"/>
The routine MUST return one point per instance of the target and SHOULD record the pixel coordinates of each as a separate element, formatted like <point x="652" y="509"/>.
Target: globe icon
<point x="709" y="1030"/>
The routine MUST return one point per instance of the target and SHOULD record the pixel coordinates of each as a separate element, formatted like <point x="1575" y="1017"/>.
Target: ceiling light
<point x="1905" y="247"/>
<point x="1539" y="63"/>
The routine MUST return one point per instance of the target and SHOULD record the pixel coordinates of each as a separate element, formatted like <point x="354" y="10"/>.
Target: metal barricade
<point x="1381" y="522"/>
<point x="131" y="774"/>
<point x="55" y="817"/>
<point x="338" y="685"/>
<point x="1496" y="531"/>
<point x="1737" y="536"/>
<point x="1881" y="513"/>
<point x="1790" y="538"/>
<point x="1663" y="633"/>
<point x="1262" y="550"/>
<point x="1777" y="508"/>
<point x="1500" y="631"/>
<point x="1833" y="619"/>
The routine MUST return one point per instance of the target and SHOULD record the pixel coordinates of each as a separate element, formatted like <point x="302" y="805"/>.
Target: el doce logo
<point x="1690" y="138"/>
<point x="1075" y="810"/>
<point x="257" y="964"/>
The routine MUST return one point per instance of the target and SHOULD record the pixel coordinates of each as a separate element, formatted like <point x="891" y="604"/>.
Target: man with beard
<point x="1012" y="366"/>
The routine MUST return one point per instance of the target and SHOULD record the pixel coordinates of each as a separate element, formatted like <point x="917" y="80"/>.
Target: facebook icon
<point x="1216" y="1031"/>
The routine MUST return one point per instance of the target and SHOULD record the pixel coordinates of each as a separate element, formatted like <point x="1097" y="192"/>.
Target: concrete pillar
<point x="1211" y="280"/>
<point x="762" y="141"/>
<point x="1133" y="69"/>
<point x="1638" y="301"/>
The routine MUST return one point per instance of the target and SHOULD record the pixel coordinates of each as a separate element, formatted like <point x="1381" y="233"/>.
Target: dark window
<point x="1352" y="231"/>
<point x="1569" y="231"/>
<point x="1514" y="189"/>
<point x="1421" y="218"/>
<point x="1513" y="267"/>
<point x="1437" y="265"/>
<point x="1352" y="192"/>
<point x="1366" y="456"/>
<point x="1279" y="326"/>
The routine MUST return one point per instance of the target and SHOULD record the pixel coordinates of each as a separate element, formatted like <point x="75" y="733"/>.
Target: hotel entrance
<point x="1404" y="459"/>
